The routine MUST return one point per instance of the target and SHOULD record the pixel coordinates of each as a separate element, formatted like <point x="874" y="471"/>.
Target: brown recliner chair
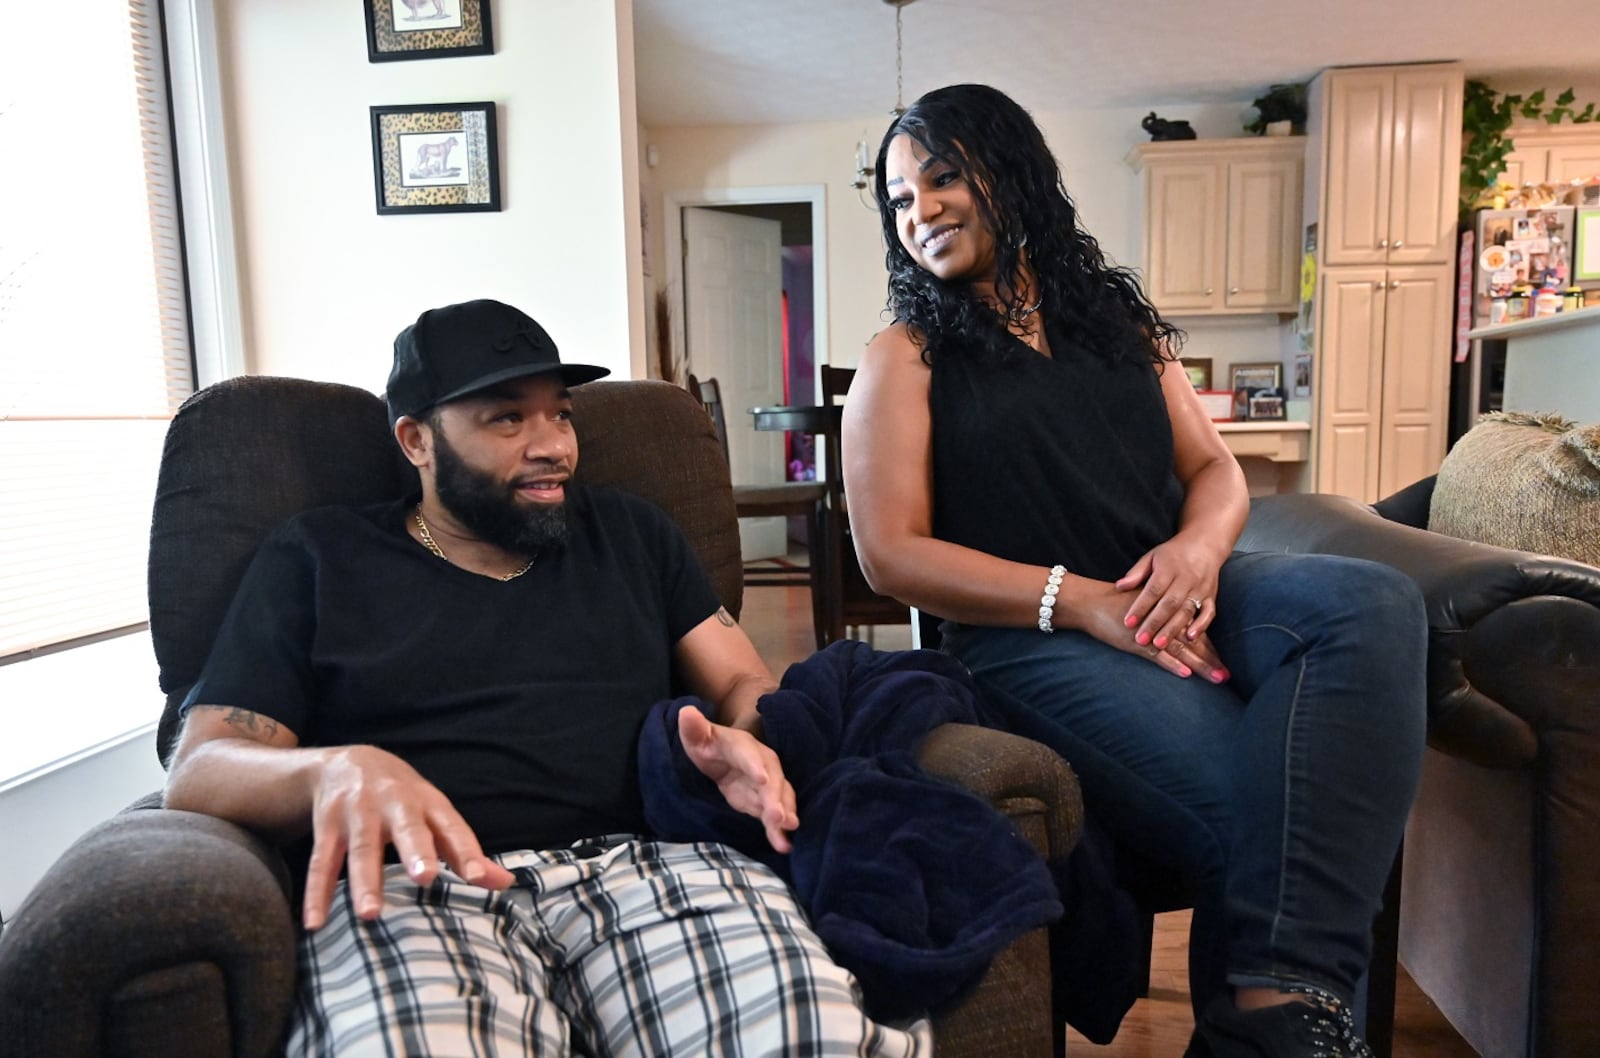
<point x="1500" y="906"/>
<point x="171" y="934"/>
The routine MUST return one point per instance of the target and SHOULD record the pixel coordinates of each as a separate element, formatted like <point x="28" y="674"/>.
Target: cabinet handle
<point x="1383" y="244"/>
<point x="1394" y="284"/>
<point x="1208" y="292"/>
<point x="1233" y="290"/>
<point x="1378" y="285"/>
<point x="1397" y="245"/>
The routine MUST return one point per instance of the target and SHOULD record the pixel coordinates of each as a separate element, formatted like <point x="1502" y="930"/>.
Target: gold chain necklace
<point x="427" y="542"/>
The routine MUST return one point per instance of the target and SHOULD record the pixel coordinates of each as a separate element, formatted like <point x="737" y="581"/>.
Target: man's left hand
<point x="747" y="772"/>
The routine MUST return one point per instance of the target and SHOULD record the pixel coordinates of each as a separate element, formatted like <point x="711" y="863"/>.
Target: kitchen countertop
<point x="1540" y="325"/>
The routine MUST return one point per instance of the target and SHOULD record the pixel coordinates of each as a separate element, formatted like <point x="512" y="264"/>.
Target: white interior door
<point x="733" y="316"/>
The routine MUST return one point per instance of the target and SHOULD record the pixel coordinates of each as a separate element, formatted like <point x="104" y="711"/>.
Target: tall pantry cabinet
<point x="1382" y="176"/>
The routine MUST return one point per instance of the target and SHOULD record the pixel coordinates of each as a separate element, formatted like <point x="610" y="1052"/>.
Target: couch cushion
<point x="1530" y="482"/>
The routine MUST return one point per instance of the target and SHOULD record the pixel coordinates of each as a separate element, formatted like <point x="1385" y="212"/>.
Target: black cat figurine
<point x="1162" y="129"/>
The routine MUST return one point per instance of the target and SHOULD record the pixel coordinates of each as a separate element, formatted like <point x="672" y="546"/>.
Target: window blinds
<point x="94" y="334"/>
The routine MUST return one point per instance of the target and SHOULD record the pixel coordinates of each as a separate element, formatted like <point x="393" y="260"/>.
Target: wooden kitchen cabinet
<point x="1382" y="182"/>
<point x="1393" y="154"/>
<point x="1552" y="153"/>
<point x="1382" y="402"/>
<point x="1222" y="224"/>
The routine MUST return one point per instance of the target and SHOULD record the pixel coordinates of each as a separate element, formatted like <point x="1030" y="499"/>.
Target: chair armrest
<point x="1013" y="773"/>
<point x="157" y="932"/>
<point x="1464" y="585"/>
<point x="1011" y="1012"/>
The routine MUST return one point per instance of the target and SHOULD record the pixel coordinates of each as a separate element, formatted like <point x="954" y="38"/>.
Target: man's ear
<point x="415" y="439"/>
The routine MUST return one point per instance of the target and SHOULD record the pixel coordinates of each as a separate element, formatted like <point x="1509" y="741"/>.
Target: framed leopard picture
<point x="436" y="158"/>
<point x="427" y="29"/>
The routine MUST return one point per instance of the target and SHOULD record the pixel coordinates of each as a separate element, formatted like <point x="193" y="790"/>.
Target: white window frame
<point x="199" y="130"/>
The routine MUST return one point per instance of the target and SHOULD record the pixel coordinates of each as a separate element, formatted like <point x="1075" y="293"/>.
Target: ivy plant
<point x="1486" y="117"/>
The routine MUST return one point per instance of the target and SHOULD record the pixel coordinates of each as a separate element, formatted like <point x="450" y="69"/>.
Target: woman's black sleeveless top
<point x="1065" y="460"/>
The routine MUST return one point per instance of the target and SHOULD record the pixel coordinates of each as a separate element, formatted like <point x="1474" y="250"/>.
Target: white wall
<point x="328" y="282"/>
<point x="47" y="812"/>
<point x="1090" y="144"/>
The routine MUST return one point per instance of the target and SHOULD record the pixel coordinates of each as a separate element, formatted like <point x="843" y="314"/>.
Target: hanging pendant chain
<point x="899" y="71"/>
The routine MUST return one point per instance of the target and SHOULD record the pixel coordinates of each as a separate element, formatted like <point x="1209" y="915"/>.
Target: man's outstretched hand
<point x="747" y="772"/>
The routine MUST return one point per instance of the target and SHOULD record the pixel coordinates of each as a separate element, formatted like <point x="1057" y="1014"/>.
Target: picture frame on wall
<point x="1265" y="374"/>
<point x="1586" y="262"/>
<point x="427" y="29"/>
<point x="436" y="158"/>
<point x="1302" y="375"/>
<point x="1198" y="368"/>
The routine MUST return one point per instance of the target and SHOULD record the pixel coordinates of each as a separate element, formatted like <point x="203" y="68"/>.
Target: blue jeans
<point x="1276" y="800"/>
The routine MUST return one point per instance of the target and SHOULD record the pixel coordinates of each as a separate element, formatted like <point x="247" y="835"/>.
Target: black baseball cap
<point x="459" y="349"/>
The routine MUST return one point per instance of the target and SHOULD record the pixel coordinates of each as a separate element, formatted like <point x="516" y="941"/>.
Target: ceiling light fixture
<point x="864" y="168"/>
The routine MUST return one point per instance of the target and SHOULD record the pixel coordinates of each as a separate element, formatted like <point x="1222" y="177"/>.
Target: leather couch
<point x="1500" y="907"/>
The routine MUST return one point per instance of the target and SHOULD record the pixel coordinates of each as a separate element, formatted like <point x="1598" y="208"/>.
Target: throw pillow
<point x="1530" y="482"/>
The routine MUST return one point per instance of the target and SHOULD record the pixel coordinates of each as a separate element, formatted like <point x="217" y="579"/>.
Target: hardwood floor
<point x="1158" y="1026"/>
<point x="778" y="621"/>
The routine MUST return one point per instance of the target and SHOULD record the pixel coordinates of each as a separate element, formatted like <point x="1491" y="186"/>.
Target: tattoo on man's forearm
<point x="725" y="617"/>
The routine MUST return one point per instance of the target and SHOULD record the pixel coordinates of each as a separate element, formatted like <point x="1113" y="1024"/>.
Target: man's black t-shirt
<point x="521" y="700"/>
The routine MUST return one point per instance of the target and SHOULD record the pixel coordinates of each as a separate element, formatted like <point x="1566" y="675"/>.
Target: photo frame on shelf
<point x="1198" y="368"/>
<point x="1266" y="405"/>
<point x="1264" y="374"/>
<point x="1217" y="404"/>
<point x="436" y="158"/>
<point x="427" y="29"/>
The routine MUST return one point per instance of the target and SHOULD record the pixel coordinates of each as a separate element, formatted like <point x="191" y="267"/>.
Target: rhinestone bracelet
<point x="1047" y="601"/>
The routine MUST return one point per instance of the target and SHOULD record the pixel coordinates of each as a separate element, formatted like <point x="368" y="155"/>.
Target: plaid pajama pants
<point x="618" y="946"/>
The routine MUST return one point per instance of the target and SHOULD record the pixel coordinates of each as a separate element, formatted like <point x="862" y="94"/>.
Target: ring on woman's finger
<point x="1197" y="604"/>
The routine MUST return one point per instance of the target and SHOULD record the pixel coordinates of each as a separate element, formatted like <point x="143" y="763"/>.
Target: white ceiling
<point x="719" y="62"/>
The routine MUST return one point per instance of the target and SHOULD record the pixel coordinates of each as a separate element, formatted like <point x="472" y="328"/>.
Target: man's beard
<point x="490" y="508"/>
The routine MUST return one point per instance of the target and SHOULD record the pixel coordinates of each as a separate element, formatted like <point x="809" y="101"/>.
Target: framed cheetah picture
<point x="436" y="158"/>
<point x="427" y="29"/>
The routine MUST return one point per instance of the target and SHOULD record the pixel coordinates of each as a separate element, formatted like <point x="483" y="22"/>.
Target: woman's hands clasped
<point x="1176" y="587"/>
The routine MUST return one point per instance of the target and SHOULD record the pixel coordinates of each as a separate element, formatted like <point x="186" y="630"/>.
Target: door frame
<point x="815" y="194"/>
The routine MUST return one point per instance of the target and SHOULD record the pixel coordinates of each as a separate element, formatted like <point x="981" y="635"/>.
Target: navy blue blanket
<point x="913" y="883"/>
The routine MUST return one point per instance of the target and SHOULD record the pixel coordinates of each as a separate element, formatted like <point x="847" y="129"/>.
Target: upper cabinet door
<point x="1523" y="167"/>
<point x="1574" y="161"/>
<point x="1264" y="234"/>
<point x="1425" y="177"/>
<point x="1183" y="239"/>
<point x="1360" y="146"/>
<point x="1222" y="224"/>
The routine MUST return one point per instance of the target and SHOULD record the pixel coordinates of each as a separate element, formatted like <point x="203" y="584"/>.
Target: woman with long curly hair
<point x="1024" y="458"/>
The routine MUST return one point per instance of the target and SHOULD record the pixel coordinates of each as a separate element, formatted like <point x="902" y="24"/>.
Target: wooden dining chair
<point x="777" y="499"/>
<point x="850" y="600"/>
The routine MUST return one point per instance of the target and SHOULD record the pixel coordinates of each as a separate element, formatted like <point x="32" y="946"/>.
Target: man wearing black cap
<point x="454" y="684"/>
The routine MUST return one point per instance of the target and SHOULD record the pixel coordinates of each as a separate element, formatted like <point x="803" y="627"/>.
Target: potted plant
<point x="1281" y="111"/>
